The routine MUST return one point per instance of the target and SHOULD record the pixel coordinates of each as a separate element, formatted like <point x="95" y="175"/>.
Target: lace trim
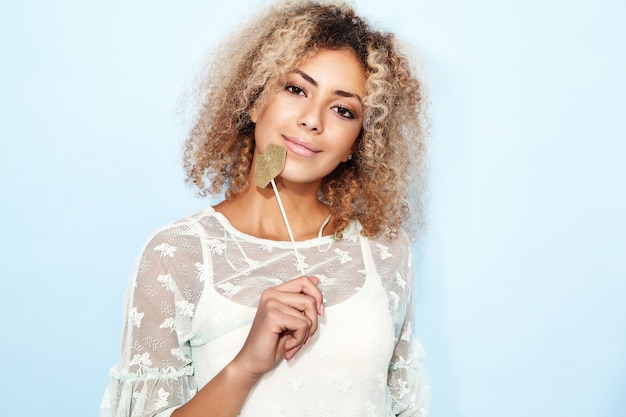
<point x="150" y="373"/>
<point x="210" y="212"/>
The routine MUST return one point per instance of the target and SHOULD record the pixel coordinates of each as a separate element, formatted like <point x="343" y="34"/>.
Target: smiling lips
<point x="300" y="147"/>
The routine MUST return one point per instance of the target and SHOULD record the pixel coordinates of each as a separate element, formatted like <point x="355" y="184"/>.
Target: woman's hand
<point x="285" y="321"/>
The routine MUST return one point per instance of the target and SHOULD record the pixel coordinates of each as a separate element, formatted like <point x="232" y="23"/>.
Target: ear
<point x="352" y="149"/>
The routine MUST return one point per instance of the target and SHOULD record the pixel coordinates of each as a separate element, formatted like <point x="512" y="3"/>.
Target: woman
<point x="231" y="311"/>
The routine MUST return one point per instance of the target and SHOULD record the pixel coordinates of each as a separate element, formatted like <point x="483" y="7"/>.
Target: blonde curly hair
<point x="383" y="181"/>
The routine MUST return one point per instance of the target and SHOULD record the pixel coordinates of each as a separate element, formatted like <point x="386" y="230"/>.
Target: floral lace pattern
<point x="192" y="298"/>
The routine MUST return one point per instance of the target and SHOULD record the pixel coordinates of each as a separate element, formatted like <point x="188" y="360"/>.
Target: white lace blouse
<point x="192" y="298"/>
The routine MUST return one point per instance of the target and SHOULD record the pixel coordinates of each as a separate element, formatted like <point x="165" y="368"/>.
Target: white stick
<point x="293" y="241"/>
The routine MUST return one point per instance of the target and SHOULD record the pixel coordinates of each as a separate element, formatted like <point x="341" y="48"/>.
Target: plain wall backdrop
<point x="520" y="276"/>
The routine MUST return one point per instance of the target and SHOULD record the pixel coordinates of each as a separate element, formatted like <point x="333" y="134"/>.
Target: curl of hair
<point x="382" y="184"/>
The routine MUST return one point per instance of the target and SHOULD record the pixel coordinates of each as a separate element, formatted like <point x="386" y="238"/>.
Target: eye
<point x="295" y="90"/>
<point x="344" y="112"/>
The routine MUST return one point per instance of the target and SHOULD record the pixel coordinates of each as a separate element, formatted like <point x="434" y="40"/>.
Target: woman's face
<point x="317" y="116"/>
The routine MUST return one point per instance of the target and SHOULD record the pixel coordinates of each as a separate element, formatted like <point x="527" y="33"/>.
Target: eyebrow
<point x="341" y="93"/>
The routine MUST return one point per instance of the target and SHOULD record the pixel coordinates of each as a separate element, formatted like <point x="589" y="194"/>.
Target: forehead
<point x="335" y="68"/>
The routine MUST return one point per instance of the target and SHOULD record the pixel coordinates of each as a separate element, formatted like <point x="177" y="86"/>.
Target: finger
<point x="290" y="353"/>
<point x="293" y="328"/>
<point x="305" y="285"/>
<point x="315" y="280"/>
<point x="296" y="304"/>
<point x="320" y="302"/>
<point x="292" y="344"/>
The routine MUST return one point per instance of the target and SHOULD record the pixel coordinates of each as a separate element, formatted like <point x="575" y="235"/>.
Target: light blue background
<point x="522" y="271"/>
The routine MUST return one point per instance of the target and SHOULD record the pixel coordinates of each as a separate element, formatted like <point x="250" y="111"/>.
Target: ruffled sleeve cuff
<point x="150" y="392"/>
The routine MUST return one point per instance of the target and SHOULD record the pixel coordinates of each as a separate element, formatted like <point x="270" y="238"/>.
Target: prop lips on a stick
<point x="267" y="166"/>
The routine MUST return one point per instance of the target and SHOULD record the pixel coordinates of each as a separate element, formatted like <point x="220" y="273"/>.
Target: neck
<point x="256" y="211"/>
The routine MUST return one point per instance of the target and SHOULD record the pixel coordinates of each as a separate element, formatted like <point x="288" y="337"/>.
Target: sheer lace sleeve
<point x="155" y="372"/>
<point x="406" y="379"/>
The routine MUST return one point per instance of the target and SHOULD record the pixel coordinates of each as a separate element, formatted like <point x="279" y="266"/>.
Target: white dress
<point x="192" y="298"/>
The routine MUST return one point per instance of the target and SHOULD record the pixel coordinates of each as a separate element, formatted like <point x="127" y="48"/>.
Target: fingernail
<point x="322" y="309"/>
<point x="308" y="340"/>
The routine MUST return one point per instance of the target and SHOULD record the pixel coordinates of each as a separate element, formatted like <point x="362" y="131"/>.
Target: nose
<point x="311" y="118"/>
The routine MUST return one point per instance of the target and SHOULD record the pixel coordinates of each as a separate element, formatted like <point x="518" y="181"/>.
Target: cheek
<point x="352" y="138"/>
